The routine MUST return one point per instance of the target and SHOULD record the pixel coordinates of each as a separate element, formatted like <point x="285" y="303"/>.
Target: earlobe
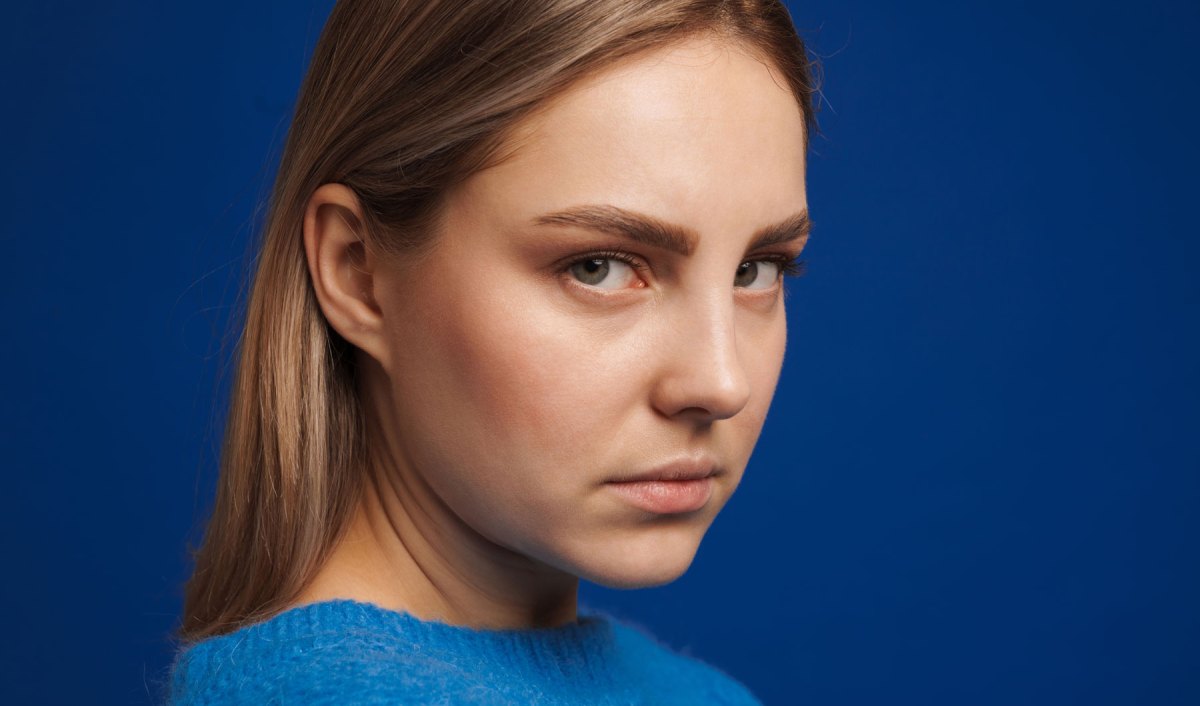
<point x="342" y="267"/>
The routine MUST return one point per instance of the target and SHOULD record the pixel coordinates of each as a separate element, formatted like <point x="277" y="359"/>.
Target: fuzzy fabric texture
<point x="350" y="652"/>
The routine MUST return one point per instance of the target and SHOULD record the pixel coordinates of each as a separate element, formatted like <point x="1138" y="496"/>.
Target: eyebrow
<point x="662" y="234"/>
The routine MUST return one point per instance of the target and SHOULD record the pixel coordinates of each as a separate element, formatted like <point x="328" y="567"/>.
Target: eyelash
<point x="788" y="267"/>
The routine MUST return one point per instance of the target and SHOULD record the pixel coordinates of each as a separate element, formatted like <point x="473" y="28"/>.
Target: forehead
<point x="701" y="133"/>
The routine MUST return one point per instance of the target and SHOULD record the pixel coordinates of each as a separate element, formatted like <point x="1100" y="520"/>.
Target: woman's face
<point x="527" y="370"/>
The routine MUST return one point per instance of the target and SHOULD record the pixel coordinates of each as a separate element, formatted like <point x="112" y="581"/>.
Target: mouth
<point x="665" y="497"/>
<point x="678" y="486"/>
<point x="680" y="469"/>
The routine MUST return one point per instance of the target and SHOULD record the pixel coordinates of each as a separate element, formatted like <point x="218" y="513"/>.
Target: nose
<point x="702" y="375"/>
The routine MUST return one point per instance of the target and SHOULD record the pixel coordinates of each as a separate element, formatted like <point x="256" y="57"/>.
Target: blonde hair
<point x="403" y="99"/>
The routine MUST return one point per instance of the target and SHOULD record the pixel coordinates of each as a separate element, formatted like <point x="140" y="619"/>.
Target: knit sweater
<point x="350" y="652"/>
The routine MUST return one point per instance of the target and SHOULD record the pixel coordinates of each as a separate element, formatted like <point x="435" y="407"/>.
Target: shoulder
<point x="676" y="672"/>
<point x="312" y="656"/>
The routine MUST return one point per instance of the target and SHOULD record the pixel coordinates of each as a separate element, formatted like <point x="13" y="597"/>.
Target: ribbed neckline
<point x="587" y="645"/>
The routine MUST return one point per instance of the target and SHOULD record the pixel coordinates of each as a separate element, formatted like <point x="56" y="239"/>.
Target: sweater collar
<point x="584" y="649"/>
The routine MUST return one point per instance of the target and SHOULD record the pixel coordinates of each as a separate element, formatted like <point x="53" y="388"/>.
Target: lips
<point x="678" y="487"/>
<point x="682" y="469"/>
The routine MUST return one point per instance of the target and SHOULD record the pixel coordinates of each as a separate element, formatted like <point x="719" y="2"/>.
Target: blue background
<point x="980" y="479"/>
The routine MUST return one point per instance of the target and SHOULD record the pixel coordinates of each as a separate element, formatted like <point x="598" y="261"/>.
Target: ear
<point x="343" y="268"/>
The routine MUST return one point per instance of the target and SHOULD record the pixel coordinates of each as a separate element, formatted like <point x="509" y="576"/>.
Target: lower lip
<point x="666" y="496"/>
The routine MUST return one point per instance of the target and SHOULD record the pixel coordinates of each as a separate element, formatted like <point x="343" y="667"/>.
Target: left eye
<point x="756" y="274"/>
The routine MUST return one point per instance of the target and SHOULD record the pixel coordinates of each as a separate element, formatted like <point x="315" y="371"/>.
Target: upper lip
<point x="688" y="468"/>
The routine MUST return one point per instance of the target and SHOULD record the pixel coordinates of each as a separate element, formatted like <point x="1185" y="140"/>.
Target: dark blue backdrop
<point x="979" y="482"/>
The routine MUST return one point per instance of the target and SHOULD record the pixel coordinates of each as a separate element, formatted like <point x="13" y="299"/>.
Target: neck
<point x="405" y="550"/>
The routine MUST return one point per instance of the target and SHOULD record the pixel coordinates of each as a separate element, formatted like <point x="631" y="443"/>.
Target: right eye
<point x="596" y="269"/>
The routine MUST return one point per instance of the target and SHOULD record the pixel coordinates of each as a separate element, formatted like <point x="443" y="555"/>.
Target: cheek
<point x="520" y="372"/>
<point x="525" y="384"/>
<point x="770" y="363"/>
<point x="762" y="357"/>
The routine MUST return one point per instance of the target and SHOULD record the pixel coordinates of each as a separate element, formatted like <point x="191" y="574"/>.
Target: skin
<point x="504" y="387"/>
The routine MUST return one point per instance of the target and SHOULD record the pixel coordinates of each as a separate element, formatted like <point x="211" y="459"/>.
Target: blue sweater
<point x="349" y="652"/>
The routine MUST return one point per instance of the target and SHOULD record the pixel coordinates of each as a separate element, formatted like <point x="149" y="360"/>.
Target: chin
<point x="651" y="557"/>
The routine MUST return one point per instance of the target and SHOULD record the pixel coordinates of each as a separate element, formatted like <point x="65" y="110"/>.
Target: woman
<point x="517" y="320"/>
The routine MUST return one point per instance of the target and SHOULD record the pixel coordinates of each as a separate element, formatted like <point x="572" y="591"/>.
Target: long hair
<point x="403" y="99"/>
